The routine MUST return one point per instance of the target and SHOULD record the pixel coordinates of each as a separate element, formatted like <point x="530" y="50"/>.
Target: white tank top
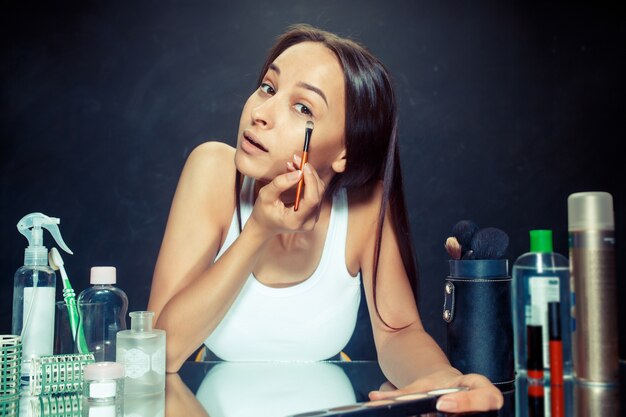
<point x="309" y="321"/>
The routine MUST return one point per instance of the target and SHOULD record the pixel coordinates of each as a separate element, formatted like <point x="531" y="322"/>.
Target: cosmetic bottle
<point x="34" y="291"/>
<point x="592" y="266"/>
<point x="540" y="276"/>
<point x="107" y="318"/>
<point x="142" y="352"/>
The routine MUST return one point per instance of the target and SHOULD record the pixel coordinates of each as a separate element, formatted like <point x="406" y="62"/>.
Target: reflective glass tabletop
<point x="276" y="389"/>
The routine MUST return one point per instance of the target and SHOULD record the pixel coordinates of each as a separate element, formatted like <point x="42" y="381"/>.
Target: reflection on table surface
<point x="579" y="400"/>
<point x="230" y="389"/>
<point x="277" y="389"/>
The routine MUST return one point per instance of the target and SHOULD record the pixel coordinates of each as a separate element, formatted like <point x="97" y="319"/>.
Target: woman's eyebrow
<point x="302" y="84"/>
<point x="314" y="89"/>
<point x="274" y="68"/>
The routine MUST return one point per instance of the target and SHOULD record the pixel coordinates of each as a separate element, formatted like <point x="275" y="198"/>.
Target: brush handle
<point x="305" y="157"/>
<point x="70" y="302"/>
<point x="69" y="296"/>
<point x="77" y="330"/>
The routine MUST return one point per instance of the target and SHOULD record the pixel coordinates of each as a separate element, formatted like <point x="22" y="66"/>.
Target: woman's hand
<point x="481" y="396"/>
<point x="272" y="215"/>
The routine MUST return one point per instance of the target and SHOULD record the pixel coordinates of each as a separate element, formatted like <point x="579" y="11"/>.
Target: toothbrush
<point x="56" y="263"/>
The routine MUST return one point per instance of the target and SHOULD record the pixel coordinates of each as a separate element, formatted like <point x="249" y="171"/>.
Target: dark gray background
<point x="505" y="110"/>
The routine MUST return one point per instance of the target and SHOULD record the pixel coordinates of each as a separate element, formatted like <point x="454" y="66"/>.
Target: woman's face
<point x="305" y="82"/>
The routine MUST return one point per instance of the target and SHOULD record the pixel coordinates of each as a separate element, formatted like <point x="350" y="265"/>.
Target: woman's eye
<point x="303" y="109"/>
<point x="267" y="89"/>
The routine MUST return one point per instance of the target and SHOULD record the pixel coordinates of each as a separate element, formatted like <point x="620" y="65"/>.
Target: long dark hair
<point x="370" y="136"/>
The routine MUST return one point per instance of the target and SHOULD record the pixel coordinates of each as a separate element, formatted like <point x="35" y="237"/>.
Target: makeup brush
<point x="453" y="248"/>
<point x="464" y="231"/>
<point x="308" y="130"/>
<point x="489" y="243"/>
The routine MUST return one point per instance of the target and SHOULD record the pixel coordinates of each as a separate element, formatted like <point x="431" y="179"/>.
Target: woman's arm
<point x="190" y="293"/>
<point x="408" y="356"/>
<point x="187" y="294"/>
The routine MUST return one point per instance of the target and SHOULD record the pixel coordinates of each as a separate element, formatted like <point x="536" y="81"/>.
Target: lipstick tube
<point x="536" y="392"/>
<point x="556" y="360"/>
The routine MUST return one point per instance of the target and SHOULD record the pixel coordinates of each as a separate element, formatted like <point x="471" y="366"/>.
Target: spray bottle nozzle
<point x="31" y="226"/>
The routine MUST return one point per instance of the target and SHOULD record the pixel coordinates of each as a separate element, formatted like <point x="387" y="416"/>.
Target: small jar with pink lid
<point x="103" y="382"/>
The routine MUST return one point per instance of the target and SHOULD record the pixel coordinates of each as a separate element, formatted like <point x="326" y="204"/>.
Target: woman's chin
<point x="262" y="171"/>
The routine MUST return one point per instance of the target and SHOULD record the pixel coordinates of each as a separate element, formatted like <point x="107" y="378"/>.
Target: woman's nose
<point x="263" y="114"/>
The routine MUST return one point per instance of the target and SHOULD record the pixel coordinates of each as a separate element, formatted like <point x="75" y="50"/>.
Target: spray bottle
<point x="34" y="290"/>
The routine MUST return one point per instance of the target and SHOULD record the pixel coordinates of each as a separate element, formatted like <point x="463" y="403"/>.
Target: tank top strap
<point x="338" y="236"/>
<point x="246" y="199"/>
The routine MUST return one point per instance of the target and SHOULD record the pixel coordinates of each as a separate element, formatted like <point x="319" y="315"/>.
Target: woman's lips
<point x="250" y="140"/>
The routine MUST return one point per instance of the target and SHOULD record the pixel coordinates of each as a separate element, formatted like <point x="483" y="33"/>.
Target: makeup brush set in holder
<point x="477" y="304"/>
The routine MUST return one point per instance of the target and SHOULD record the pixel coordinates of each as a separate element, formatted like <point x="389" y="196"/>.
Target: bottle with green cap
<point x="541" y="276"/>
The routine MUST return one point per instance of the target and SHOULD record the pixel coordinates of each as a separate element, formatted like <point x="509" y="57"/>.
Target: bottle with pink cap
<point x="103" y="308"/>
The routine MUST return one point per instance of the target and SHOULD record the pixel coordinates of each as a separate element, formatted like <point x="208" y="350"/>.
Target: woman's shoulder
<point x="364" y="208"/>
<point x="212" y="153"/>
<point x="364" y="202"/>
<point x="209" y="175"/>
<point x="211" y="161"/>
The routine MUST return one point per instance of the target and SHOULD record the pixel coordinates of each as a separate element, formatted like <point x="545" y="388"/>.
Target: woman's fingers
<point x="313" y="187"/>
<point x="272" y="213"/>
<point x="272" y="191"/>
<point x="482" y="396"/>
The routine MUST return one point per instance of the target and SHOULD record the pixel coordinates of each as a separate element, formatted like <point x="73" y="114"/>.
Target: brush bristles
<point x="453" y="248"/>
<point x="309" y="125"/>
<point x="490" y="243"/>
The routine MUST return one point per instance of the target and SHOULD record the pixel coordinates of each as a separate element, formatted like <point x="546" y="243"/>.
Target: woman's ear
<point x="339" y="164"/>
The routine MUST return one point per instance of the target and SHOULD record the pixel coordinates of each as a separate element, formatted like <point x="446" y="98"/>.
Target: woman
<point x="244" y="273"/>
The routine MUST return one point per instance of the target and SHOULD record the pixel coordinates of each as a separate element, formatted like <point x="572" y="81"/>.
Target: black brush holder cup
<point x="477" y="310"/>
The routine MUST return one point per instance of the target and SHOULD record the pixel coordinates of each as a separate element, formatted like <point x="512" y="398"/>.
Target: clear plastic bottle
<point x="539" y="277"/>
<point x="33" y="316"/>
<point x="114" y="307"/>
<point x="34" y="291"/>
<point x="142" y="352"/>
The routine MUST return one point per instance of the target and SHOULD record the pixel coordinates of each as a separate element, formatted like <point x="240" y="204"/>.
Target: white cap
<point x="591" y="210"/>
<point x="103" y="275"/>
<point x="103" y="370"/>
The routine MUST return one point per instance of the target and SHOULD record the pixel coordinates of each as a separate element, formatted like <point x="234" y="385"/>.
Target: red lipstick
<point x="557" y="402"/>
<point x="536" y="402"/>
